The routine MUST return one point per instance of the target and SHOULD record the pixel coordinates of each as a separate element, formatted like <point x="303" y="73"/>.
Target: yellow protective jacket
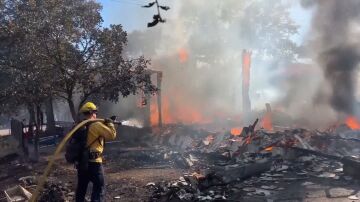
<point x="98" y="133"/>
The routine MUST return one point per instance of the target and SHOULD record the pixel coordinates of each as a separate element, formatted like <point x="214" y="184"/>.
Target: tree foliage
<point x="59" y="48"/>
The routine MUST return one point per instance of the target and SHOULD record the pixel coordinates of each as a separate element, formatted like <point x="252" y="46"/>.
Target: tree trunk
<point x="50" y="120"/>
<point x="17" y="130"/>
<point x="72" y="109"/>
<point x="31" y="114"/>
<point x="37" y="133"/>
<point x="34" y="134"/>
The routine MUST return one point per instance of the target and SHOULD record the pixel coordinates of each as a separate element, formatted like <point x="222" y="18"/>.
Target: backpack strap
<point x="93" y="155"/>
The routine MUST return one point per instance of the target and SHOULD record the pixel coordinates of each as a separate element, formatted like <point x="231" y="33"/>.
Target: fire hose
<point x="58" y="149"/>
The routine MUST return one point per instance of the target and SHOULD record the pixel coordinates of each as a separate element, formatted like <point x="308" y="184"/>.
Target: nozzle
<point x="117" y="122"/>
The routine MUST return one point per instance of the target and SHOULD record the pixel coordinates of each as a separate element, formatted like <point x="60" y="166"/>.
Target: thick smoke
<point x="339" y="67"/>
<point x="206" y="82"/>
<point x="213" y="33"/>
<point x="335" y="33"/>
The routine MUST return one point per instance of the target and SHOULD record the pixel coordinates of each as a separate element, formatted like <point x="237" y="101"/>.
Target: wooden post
<point x="268" y="107"/>
<point x="147" y="104"/>
<point x="267" y="119"/>
<point x="159" y="80"/>
<point x="246" y="64"/>
<point x="147" y="119"/>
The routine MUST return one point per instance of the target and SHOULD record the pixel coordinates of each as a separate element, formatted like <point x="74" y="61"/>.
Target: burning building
<point x="241" y="114"/>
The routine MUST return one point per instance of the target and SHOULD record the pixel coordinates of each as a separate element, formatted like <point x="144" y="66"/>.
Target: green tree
<point x="71" y="56"/>
<point x="86" y="58"/>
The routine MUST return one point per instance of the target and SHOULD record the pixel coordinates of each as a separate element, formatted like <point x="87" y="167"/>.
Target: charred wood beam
<point x="229" y="174"/>
<point x="351" y="166"/>
<point x="344" y="139"/>
<point x="251" y="128"/>
<point x="317" y="153"/>
<point x="249" y="131"/>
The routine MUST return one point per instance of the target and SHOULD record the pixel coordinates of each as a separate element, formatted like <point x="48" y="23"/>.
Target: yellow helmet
<point x="88" y="107"/>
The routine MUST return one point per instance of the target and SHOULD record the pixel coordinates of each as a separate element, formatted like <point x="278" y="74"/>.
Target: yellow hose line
<point x="45" y="175"/>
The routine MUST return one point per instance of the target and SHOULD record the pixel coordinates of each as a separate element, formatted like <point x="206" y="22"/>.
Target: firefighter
<point x="97" y="134"/>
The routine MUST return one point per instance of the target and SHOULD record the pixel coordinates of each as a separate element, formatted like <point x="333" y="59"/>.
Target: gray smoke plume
<point x="335" y="32"/>
<point x="339" y="66"/>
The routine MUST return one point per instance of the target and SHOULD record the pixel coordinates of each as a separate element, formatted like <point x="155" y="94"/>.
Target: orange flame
<point x="268" y="149"/>
<point x="183" y="55"/>
<point x="177" y="110"/>
<point x="154" y="113"/>
<point x="236" y="131"/>
<point x="266" y="122"/>
<point x="352" y="123"/>
<point x="248" y="140"/>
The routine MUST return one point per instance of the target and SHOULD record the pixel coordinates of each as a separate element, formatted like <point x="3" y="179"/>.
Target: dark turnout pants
<point x="94" y="174"/>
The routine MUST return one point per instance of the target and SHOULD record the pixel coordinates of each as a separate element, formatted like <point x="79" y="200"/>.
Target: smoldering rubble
<point x="258" y="164"/>
<point x="191" y="163"/>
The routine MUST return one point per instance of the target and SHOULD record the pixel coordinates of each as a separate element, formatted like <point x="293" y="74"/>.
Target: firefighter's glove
<point x="108" y="121"/>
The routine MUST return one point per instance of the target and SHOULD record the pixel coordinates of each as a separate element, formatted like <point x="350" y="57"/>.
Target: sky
<point x="132" y="16"/>
<point x="129" y="13"/>
<point x="302" y="17"/>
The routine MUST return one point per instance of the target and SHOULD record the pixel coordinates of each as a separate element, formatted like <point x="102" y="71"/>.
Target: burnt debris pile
<point x="219" y="166"/>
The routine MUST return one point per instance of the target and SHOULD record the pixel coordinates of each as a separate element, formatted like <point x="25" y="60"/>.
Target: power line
<point x="156" y="18"/>
<point x="140" y="1"/>
<point x="127" y="2"/>
<point x="130" y="2"/>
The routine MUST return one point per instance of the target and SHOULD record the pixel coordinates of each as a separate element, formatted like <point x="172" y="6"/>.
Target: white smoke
<point x="214" y="33"/>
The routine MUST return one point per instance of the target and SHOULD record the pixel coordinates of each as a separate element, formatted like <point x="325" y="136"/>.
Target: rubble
<point x="28" y="181"/>
<point x="259" y="162"/>
<point x="353" y="197"/>
<point x="57" y="191"/>
<point x="218" y="166"/>
<point x="17" y="193"/>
